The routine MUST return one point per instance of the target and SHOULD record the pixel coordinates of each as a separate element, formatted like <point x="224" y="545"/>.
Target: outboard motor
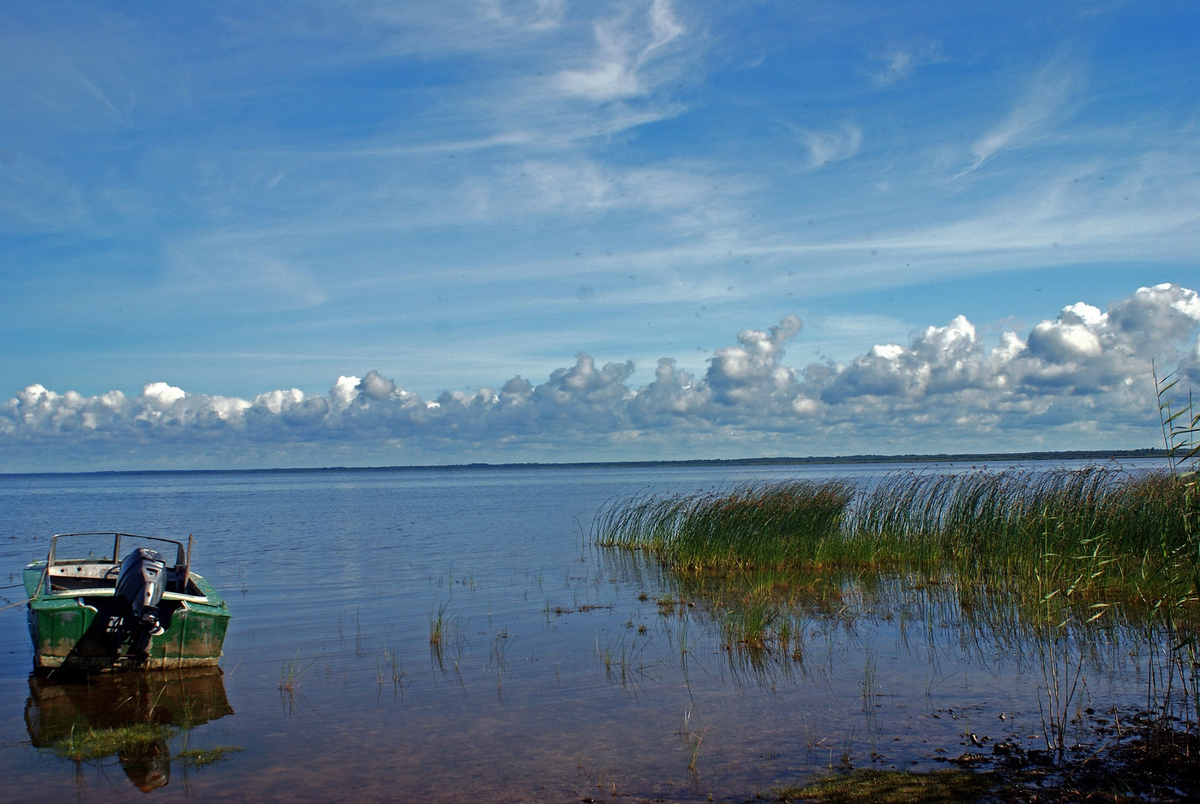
<point x="140" y="585"/>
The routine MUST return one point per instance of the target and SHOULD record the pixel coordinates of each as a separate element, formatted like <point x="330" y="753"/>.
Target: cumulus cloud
<point x="749" y="376"/>
<point x="1085" y="368"/>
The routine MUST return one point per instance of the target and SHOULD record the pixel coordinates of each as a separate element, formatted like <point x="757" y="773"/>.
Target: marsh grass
<point x="438" y="623"/>
<point x="750" y="625"/>
<point x="88" y="744"/>
<point x="620" y="659"/>
<point x="200" y="757"/>
<point x="891" y="787"/>
<point x="747" y="526"/>
<point x="390" y="666"/>
<point x="1097" y="535"/>
<point x="1174" y="614"/>
<point x="1056" y="562"/>
<point x="446" y="632"/>
<point x="291" y="672"/>
<point x="691" y="739"/>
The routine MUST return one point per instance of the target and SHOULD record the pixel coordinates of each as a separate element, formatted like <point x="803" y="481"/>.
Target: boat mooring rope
<point x="14" y="605"/>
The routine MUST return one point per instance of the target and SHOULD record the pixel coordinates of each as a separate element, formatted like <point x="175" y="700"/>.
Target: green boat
<point x="92" y="610"/>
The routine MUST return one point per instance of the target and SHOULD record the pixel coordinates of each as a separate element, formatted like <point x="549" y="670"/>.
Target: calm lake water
<point x="559" y="676"/>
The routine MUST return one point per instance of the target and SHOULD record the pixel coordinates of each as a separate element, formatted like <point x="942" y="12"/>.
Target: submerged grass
<point x="135" y="739"/>
<point x="891" y="787"/>
<point x="200" y="757"/>
<point x="88" y="744"/>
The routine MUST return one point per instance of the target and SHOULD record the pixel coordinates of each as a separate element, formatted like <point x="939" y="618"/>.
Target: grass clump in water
<point x="199" y="757"/>
<point x="86" y="745"/>
<point x="891" y="787"/>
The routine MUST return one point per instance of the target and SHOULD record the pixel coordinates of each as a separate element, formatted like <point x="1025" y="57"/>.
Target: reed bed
<point x="1067" y="563"/>
<point x="1063" y="561"/>
<point x="1089" y="533"/>
<point x="754" y="525"/>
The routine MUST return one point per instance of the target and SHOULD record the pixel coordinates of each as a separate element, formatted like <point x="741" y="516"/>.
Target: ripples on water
<point x="562" y="671"/>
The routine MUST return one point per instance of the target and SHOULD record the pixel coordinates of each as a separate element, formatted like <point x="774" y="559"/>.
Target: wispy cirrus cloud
<point x="831" y="145"/>
<point x="1050" y="97"/>
<point x="898" y="63"/>
<point x="626" y="48"/>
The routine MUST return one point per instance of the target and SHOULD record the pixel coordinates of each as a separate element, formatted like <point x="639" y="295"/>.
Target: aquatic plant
<point x="446" y="631"/>
<point x="84" y="745"/>
<point x="289" y="678"/>
<point x="1097" y="532"/>
<point x="749" y="525"/>
<point x="438" y="623"/>
<point x="691" y="739"/>
<point x="749" y="625"/>
<point x="1072" y="555"/>
<point x="891" y="786"/>
<point x="199" y="757"/>
<point x="1175" y="614"/>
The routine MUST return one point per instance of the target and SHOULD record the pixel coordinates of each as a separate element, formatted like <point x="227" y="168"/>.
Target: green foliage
<point x="754" y="525"/>
<point x="199" y="757"/>
<point x="290" y="673"/>
<point x="1094" y="533"/>
<point x="85" y="745"/>
<point x="892" y="787"/>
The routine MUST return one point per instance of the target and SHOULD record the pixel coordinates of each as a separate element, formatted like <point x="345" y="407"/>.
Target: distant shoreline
<point x="963" y="457"/>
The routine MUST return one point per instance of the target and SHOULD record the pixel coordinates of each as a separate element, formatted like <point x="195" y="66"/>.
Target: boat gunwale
<point x="116" y="558"/>
<point x="182" y="559"/>
<point x="108" y="591"/>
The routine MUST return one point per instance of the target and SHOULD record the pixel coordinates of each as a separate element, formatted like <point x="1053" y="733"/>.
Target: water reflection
<point x="132" y="716"/>
<point x="776" y="627"/>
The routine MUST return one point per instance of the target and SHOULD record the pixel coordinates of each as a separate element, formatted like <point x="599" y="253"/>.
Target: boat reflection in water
<point x="74" y="716"/>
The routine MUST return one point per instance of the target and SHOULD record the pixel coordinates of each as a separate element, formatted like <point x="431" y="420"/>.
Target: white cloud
<point x="944" y="389"/>
<point x="1045" y="101"/>
<point x="898" y="63"/>
<point x="834" y="145"/>
<point x="749" y="377"/>
<point x="625" y="48"/>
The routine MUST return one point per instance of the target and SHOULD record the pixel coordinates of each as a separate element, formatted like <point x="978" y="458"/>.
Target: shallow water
<point x="559" y="677"/>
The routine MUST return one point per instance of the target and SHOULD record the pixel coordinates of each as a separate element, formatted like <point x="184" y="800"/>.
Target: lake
<point x="561" y="671"/>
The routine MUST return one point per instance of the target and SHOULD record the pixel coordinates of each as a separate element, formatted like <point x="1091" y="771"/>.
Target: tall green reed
<point x="1173" y="614"/>
<point x="1112" y="532"/>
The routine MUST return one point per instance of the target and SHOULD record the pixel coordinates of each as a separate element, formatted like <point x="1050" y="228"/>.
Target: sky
<point x="246" y="235"/>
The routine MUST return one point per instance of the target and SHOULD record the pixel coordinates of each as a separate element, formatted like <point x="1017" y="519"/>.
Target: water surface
<point x="563" y="671"/>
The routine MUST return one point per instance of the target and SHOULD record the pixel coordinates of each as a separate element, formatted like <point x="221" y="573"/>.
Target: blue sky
<point x="218" y="221"/>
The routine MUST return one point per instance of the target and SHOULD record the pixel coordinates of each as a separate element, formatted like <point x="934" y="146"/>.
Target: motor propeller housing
<point x="140" y="583"/>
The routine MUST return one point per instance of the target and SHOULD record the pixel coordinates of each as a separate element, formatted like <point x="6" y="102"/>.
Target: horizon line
<point x="962" y="457"/>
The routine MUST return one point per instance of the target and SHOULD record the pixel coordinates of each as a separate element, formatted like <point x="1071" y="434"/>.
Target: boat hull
<point x="88" y="632"/>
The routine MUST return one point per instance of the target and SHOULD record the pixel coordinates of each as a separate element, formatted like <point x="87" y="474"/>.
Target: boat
<point x="119" y="601"/>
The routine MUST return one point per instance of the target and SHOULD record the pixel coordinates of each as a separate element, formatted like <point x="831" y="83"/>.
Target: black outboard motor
<point x="140" y="585"/>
